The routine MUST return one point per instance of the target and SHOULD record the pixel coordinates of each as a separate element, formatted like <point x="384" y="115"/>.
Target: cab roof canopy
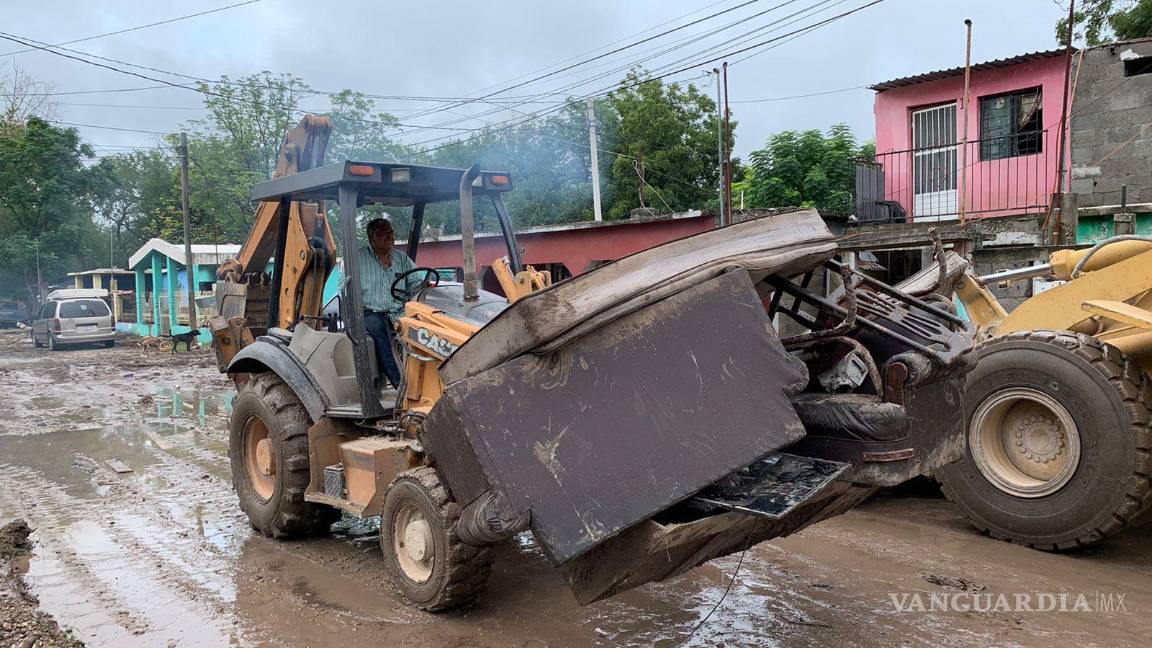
<point x="389" y="184"/>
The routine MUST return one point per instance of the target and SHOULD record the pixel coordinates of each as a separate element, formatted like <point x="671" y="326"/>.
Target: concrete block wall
<point x="1109" y="149"/>
<point x="988" y="260"/>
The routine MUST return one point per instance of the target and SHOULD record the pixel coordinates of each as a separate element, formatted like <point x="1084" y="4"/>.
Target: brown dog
<point x="151" y="342"/>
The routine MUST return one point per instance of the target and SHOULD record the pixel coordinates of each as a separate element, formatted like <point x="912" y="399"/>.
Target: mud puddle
<point x="160" y="555"/>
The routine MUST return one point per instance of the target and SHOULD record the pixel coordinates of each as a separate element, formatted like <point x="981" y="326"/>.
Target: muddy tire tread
<point x="468" y="567"/>
<point x="295" y="517"/>
<point x="1128" y="380"/>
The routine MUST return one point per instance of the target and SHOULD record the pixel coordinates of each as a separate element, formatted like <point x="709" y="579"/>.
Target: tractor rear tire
<point x="268" y="449"/>
<point x="426" y="560"/>
<point x="1059" y="452"/>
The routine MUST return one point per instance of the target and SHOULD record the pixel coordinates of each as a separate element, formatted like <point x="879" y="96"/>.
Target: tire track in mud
<point x="143" y="585"/>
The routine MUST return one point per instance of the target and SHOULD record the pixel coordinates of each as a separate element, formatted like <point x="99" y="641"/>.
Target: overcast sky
<point x="430" y="48"/>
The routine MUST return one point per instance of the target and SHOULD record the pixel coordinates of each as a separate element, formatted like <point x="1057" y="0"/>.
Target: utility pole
<point x="1060" y="169"/>
<point x="964" y="127"/>
<point x="595" y="161"/>
<point x="719" y="142"/>
<point x="39" y="278"/>
<point x="112" y="287"/>
<point x="640" y="172"/>
<point x="189" y="262"/>
<point x="727" y="150"/>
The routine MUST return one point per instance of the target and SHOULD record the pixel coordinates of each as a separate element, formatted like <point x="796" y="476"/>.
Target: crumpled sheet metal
<point x="619" y="424"/>
<point x="786" y="244"/>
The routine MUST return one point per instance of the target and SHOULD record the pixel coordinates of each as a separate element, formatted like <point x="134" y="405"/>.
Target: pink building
<point x="924" y="168"/>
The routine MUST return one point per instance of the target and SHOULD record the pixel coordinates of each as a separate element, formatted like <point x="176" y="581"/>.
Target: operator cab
<point x="342" y="364"/>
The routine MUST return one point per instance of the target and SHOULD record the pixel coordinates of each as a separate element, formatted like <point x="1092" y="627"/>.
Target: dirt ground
<point x="162" y="556"/>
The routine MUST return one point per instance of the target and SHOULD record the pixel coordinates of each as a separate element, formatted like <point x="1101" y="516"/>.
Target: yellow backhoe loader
<point x="1059" y="452"/>
<point x="638" y="419"/>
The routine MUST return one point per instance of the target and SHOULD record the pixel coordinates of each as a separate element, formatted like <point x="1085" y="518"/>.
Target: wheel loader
<point x="1059" y="448"/>
<point x="638" y="419"/>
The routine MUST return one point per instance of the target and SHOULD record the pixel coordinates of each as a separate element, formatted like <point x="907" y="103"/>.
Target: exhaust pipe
<point x="468" y="233"/>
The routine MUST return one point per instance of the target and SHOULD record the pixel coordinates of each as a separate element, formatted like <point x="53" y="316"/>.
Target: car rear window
<point x="83" y="308"/>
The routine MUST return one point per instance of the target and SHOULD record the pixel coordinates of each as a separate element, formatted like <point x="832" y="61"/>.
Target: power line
<point x="115" y="128"/>
<point x="505" y="125"/>
<point x="139" y="27"/>
<point x="537" y="115"/>
<point x="110" y="90"/>
<point x="202" y="91"/>
<point x="600" y="56"/>
<point x="447" y="126"/>
<point x="649" y="56"/>
<point x="95" y="105"/>
<point x="740" y="39"/>
<point x="800" y="96"/>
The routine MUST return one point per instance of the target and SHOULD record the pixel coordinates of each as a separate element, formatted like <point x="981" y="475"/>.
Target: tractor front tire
<point x="426" y="560"/>
<point x="1059" y="452"/>
<point x="268" y="449"/>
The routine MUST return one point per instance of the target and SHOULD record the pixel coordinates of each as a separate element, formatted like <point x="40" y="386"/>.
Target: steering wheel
<point x="431" y="280"/>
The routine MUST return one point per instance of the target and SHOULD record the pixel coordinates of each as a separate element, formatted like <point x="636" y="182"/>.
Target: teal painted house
<point x="162" y="284"/>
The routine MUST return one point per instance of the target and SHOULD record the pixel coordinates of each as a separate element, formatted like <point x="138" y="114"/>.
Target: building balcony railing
<point x="997" y="176"/>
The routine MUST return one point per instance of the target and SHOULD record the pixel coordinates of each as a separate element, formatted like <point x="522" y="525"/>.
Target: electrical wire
<point x="489" y="128"/>
<point x="139" y="27"/>
<point x="606" y="54"/>
<point x="800" y="96"/>
<point x="539" y="114"/>
<point x="114" y="128"/>
<point x="414" y="128"/>
<point x="659" y="75"/>
<point x="631" y="63"/>
<point x="735" y="573"/>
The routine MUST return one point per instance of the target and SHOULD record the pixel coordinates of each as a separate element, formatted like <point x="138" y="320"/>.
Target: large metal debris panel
<point x="623" y="422"/>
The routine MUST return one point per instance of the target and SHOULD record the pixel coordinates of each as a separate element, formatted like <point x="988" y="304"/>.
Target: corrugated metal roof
<point x="944" y="74"/>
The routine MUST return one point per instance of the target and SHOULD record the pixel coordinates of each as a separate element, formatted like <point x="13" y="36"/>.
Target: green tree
<point x="1104" y="21"/>
<point x="804" y="169"/>
<point x="360" y="132"/>
<point x="667" y="135"/>
<point x="251" y="115"/>
<point x="137" y="198"/>
<point x="45" y="204"/>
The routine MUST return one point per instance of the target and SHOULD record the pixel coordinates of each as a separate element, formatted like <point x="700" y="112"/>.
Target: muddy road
<point x="162" y="556"/>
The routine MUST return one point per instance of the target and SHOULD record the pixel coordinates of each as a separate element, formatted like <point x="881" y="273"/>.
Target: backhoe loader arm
<point x="303" y="149"/>
<point x="307" y="257"/>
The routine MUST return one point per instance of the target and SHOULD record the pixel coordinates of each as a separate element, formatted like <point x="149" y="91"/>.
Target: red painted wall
<point x="576" y="247"/>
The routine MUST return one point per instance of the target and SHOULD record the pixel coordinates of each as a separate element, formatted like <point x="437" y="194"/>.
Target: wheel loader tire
<point x="1059" y="451"/>
<point x="426" y="560"/>
<point x="268" y="449"/>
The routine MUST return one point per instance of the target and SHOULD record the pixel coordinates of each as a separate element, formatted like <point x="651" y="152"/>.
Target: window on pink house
<point x="1011" y="124"/>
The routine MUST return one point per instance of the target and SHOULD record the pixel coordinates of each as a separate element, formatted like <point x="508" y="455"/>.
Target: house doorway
<point x="934" y="166"/>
